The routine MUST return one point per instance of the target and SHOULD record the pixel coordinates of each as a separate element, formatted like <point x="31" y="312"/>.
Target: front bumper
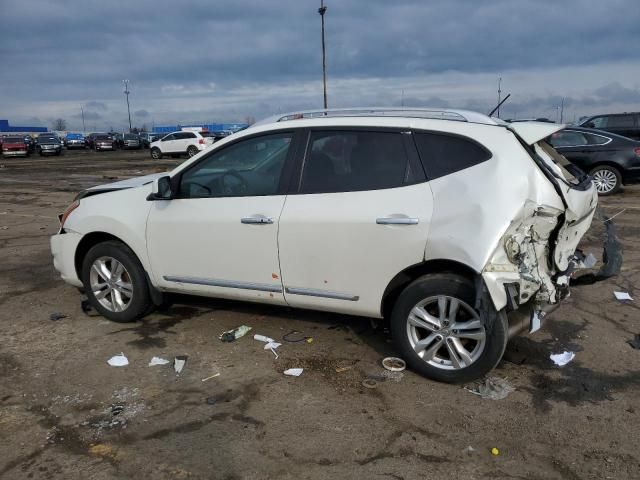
<point x="63" y="249"/>
<point x="14" y="153"/>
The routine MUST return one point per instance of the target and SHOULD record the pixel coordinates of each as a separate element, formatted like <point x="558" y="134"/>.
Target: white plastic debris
<point x="561" y="359"/>
<point x="158" y="361"/>
<point x="622" y="296"/>
<point x="262" y="338"/>
<point x="178" y="363"/>
<point x="234" y="334"/>
<point x="293" y="372"/>
<point x="212" y="376"/>
<point x="494" y="388"/>
<point x="589" y="261"/>
<point x="118" y="360"/>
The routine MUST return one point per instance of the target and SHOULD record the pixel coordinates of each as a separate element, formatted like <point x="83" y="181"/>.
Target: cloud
<point x="141" y="113"/>
<point x="265" y="56"/>
<point x="88" y="115"/>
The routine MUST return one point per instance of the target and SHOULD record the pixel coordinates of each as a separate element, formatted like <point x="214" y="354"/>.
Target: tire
<point x="430" y="290"/>
<point x="607" y="179"/>
<point x="115" y="305"/>
<point x="192" y="150"/>
<point x="156" y="153"/>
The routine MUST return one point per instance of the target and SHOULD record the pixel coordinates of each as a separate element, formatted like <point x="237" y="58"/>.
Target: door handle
<point x="256" y="220"/>
<point x="396" y="221"/>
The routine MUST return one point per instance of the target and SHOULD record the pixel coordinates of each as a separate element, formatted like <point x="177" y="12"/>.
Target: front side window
<point x="348" y="161"/>
<point x="247" y="168"/>
<point x="169" y="138"/>
<point x="598" y="122"/>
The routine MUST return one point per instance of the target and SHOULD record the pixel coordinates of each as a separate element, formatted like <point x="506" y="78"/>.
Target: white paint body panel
<point x="203" y="238"/>
<point x="331" y="243"/>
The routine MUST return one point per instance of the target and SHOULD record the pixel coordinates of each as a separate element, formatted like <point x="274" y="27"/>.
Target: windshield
<point x="103" y="138"/>
<point x="13" y="140"/>
<point x="130" y="136"/>
<point x="47" y="139"/>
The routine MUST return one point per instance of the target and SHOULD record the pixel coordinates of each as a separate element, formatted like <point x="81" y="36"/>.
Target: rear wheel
<point x="441" y="335"/>
<point x="606" y="179"/>
<point x="115" y="282"/>
<point x="192" y="150"/>
<point x="156" y="153"/>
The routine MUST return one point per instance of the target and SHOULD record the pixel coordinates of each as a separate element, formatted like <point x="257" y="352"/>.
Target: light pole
<point x="322" y="10"/>
<point x="126" y="92"/>
<point x="82" y="113"/>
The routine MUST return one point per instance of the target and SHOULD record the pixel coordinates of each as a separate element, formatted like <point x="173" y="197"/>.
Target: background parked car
<point x="14" y="146"/>
<point x="74" y="140"/>
<point x="91" y="138"/>
<point x="129" y="141"/>
<point x="49" y="144"/>
<point x="612" y="160"/>
<point x="31" y="143"/>
<point x="179" y="143"/>
<point x="103" y="142"/>
<point x="625" y="124"/>
<point x="147" y="137"/>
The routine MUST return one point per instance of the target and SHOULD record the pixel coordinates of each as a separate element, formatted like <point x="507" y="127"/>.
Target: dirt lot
<point x="64" y="413"/>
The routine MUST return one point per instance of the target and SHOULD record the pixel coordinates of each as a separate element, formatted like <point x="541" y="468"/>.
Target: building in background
<point x="5" y="127"/>
<point x="211" y="127"/>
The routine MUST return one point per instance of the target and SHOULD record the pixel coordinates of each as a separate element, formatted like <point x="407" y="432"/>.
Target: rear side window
<point x="596" y="139"/>
<point x="445" y="154"/>
<point x="350" y="161"/>
<point x="567" y="138"/>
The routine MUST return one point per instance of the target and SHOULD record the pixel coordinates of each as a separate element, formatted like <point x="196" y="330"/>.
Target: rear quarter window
<point x="444" y="154"/>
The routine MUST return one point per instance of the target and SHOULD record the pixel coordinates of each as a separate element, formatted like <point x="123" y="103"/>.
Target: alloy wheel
<point x="111" y="284"/>
<point x="446" y="332"/>
<point x="605" y="180"/>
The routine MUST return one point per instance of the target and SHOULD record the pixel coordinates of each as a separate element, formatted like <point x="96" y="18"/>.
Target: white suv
<point x="458" y="228"/>
<point x="180" y="143"/>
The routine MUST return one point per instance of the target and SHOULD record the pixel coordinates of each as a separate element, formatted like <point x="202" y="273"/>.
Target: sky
<point x="223" y="61"/>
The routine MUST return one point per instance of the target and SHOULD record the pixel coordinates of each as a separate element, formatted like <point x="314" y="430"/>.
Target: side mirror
<point x="161" y="189"/>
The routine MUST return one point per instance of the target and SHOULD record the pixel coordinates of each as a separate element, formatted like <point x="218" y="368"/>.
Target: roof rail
<point x="426" y="113"/>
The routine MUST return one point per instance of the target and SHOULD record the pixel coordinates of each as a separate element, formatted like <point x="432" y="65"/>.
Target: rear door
<point x="359" y="215"/>
<point x="623" y="124"/>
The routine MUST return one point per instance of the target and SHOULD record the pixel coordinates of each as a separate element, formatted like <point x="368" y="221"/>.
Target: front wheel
<point x="156" y="153"/>
<point x="441" y="335"/>
<point x="115" y="282"/>
<point x="606" y="179"/>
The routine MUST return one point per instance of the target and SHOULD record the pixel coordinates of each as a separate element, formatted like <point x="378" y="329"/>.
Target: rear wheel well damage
<point x="409" y="274"/>
<point x="94" y="238"/>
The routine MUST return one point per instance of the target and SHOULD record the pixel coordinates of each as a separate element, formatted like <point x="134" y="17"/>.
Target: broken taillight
<point x="201" y="141"/>
<point x="637" y="151"/>
<point x="67" y="212"/>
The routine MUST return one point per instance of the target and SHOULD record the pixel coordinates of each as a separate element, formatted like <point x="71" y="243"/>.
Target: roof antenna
<point x="499" y="105"/>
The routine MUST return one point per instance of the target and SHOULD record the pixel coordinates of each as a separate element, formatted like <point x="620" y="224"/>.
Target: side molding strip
<point x="309" y="292"/>
<point x="262" y="287"/>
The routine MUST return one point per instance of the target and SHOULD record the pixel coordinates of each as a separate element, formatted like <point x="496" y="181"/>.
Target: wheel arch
<point x="409" y="274"/>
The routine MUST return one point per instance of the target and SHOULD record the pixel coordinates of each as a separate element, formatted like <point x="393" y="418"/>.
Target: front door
<point x="219" y="236"/>
<point x="360" y="216"/>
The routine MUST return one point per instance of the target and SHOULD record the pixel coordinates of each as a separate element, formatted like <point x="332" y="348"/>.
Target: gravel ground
<point x="65" y="413"/>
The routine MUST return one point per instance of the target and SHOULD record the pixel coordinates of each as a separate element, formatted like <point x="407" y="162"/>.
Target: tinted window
<point x="598" y="122"/>
<point x="567" y="138"/>
<point x="13" y="140"/>
<point x="620" y="121"/>
<point x="597" y="139"/>
<point x="340" y="161"/>
<point x="445" y="154"/>
<point x="249" y="167"/>
<point x="169" y="137"/>
<point x="185" y="135"/>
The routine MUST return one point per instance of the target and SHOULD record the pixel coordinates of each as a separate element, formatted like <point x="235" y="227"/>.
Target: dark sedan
<point x="49" y="145"/>
<point x="612" y="160"/>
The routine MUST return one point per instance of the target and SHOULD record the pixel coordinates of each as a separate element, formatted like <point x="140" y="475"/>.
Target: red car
<point x="14" y="147"/>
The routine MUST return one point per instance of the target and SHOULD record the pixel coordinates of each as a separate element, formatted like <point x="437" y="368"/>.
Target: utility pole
<point x="499" y="94"/>
<point x="402" y="99"/>
<point x="322" y="10"/>
<point x="127" y="92"/>
<point x="561" y="109"/>
<point x="82" y="113"/>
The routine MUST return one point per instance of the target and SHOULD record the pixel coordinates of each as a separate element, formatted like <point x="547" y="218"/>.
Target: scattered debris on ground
<point x="118" y="360"/>
<point x="561" y="359"/>
<point x="179" y="363"/>
<point x="212" y="376"/>
<point x="234" y="334"/>
<point x="158" y="361"/>
<point x="304" y="338"/>
<point x="394" y="364"/>
<point x="55" y="316"/>
<point x="495" y="452"/>
<point x="494" y="388"/>
<point x="293" y="372"/>
<point x="622" y="296"/>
